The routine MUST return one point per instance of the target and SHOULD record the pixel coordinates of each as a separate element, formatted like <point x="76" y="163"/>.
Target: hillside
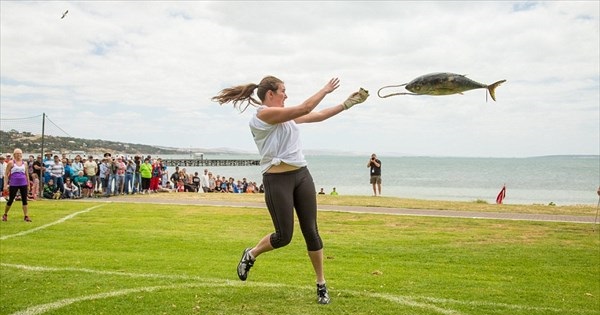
<point x="31" y="143"/>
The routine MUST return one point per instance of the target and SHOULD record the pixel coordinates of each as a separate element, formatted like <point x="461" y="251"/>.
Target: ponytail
<point x="236" y="95"/>
<point x="242" y="94"/>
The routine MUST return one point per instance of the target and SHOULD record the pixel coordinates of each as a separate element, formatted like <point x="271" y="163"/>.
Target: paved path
<point x="377" y="210"/>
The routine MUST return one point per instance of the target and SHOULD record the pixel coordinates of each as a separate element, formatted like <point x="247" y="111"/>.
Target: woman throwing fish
<point x="287" y="181"/>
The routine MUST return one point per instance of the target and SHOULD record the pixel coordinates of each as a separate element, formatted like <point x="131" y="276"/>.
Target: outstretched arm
<point x="275" y="115"/>
<point x="353" y="99"/>
<point x="320" y="115"/>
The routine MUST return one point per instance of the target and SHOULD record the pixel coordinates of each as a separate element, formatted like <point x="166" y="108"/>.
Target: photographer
<point x="375" y="165"/>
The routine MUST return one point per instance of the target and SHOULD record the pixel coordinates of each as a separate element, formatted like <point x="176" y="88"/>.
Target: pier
<point x="210" y="162"/>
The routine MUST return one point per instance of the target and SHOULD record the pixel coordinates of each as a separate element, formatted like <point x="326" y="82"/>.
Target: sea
<point x="548" y="180"/>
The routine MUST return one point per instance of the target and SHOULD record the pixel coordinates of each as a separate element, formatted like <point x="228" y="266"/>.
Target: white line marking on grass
<point x="489" y="304"/>
<point x="43" y="308"/>
<point x="70" y="216"/>
<point x="411" y="301"/>
<point x="110" y="273"/>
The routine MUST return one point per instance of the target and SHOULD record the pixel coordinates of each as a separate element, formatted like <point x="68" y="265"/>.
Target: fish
<point x="443" y="83"/>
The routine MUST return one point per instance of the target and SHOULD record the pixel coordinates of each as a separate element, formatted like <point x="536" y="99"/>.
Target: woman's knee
<point x="279" y="240"/>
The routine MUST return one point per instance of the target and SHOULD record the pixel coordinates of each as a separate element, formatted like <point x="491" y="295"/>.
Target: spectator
<point x="204" y="182"/>
<point x="48" y="162"/>
<point x="51" y="190"/>
<point x="2" y="170"/>
<point x="218" y="183"/>
<point x="121" y="168"/>
<point x="81" y="181"/>
<point x="34" y="192"/>
<point x="68" y="170"/>
<point x="38" y="167"/>
<point x="196" y="181"/>
<point x="30" y="166"/>
<point x="212" y="182"/>
<point x="104" y="175"/>
<point x="112" y="177"/>
<point x="57" y="171"/>
<point x="175" y="175"/>
<point x="223" y="188"/>
<point x="146" y="175"/>
<point x="156" y="175"/>
<point x="244" y="184"/>
<point x="375" y="172"/>
<point x="76" y="165"/>
<point x="98" y="183"/>
<point x="180" y="186"/>
<point x="16" y="180"/>
<point x="90" y="169"/>
<point x="129" y="174"/>
<point x="164" y="173"/>
<point x="70" y="190"/>
<point x="137" y="178"/>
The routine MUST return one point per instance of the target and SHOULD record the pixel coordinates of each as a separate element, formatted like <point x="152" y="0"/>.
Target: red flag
<point x="501" y="195"/>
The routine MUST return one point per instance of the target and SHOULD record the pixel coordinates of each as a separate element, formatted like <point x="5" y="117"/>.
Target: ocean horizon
<point x="551" y="179"/>
<point x="556" y="179"/>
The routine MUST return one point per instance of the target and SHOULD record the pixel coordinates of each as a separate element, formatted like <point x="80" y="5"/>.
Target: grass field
<point x="131" y="258"/>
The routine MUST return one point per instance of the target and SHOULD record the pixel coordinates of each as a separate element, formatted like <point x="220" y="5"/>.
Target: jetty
<point x="209" y="162"/>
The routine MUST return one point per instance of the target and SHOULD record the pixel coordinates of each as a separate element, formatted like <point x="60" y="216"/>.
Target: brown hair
<point x="241" y="94"/>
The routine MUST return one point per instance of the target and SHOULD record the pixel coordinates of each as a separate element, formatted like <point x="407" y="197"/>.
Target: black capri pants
<point x="12" y="194"/>
<point x="284" y="192"/>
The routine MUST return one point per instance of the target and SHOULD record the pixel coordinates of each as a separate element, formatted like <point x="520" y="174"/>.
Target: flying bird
<point x="64" y="14"/>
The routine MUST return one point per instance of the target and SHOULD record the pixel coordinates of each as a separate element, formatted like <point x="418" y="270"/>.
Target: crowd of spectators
<point x="87" y="177"/>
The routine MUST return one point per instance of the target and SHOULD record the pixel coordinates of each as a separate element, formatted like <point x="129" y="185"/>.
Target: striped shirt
<point x="57" y="170"/>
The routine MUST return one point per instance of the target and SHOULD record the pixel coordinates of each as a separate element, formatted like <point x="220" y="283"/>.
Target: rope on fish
<point x="393" y="94"/>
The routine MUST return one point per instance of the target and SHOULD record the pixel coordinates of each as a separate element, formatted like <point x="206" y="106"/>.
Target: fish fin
<point x="492" y="89"/>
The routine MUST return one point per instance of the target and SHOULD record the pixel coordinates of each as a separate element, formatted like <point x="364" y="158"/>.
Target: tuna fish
<point x="443" y="83"/>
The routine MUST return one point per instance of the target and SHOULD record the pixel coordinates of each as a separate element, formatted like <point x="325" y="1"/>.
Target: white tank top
<point x="18" y="168"/>
<point x="277" y="143"/>
<point x="18" y="175"/>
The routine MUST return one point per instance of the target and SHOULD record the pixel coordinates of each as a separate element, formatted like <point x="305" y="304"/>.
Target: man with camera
<point x="375" y="165"/>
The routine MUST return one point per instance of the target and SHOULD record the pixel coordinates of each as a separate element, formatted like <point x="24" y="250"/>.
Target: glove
<point x="356" y="98"/>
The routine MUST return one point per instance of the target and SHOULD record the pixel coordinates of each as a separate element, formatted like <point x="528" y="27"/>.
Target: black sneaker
<point x="246" y="262"/>
<point x="322" y="294"/>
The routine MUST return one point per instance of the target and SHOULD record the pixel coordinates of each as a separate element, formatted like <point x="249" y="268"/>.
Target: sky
<point x="145" y="72"/>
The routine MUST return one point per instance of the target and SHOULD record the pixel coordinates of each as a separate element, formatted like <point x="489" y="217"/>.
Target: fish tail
<point x="492" y="88"/>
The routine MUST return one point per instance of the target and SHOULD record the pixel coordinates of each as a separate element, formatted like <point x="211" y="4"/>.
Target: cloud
<point x="145" y="72"/>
